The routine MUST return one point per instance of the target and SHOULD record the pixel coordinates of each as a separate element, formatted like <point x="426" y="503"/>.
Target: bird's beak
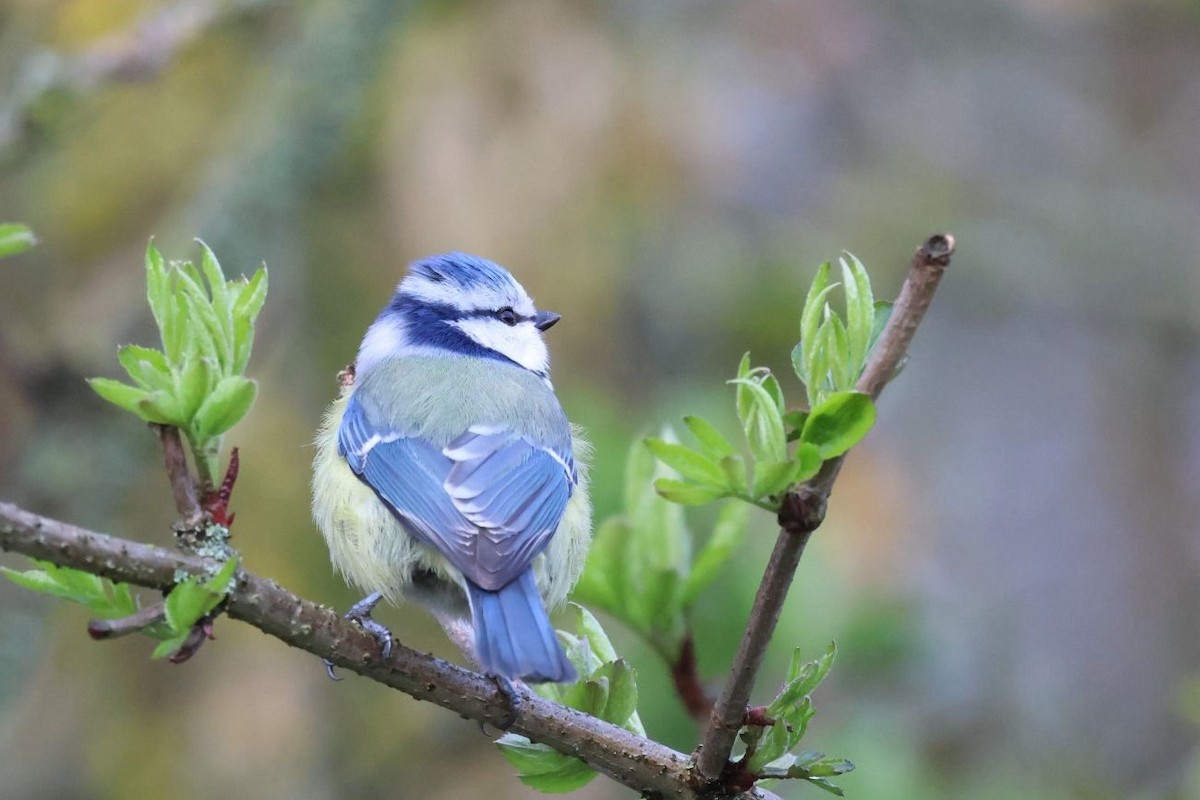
<point x="545" y="320"/>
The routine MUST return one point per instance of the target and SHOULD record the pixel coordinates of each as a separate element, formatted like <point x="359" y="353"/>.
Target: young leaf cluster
<point x="833" y="351"/>
<point x="606" y="689"/>
<point x="785" y="447"/>
<point x="643" y="567"/>
<point x="189" y="601"/>
<point x="195" y="382"/>
<point x="768" y="747"/>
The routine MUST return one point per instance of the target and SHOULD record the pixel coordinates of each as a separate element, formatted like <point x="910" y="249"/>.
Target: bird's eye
<point x="507" y="316"/>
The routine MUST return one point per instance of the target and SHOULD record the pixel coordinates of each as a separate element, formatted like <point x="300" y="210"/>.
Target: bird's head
<point x="461" y="304"/>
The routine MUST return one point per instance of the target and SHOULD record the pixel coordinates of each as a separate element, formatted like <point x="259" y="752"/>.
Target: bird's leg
<point x="509" y="690"/>
<point x="459" y="632"/>
<point x="360" y="612"/>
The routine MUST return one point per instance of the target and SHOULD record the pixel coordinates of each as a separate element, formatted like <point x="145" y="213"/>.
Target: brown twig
<point x="183" y="486"/>
<point x="139" y="620"/>
<point x="803" y="511"/>
<point x="639" y="763"/>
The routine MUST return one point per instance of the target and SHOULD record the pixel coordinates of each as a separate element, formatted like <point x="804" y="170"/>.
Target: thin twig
<point x="137" y="621"/>
<point x="803" y="511"/>
<point x="183" y="486"/>
<point x="639" y="763"/>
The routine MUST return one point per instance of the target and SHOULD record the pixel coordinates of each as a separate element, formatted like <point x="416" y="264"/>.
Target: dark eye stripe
<point x="491" y="312"/>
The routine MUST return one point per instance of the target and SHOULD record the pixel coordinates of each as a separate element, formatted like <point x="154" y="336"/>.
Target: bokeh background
<point x="1011" y="567"/>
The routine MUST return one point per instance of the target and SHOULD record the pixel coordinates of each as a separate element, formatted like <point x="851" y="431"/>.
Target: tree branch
<point x="634" y="761"/>
<point x="136" y="54"/>
<point x="803" y="511"/>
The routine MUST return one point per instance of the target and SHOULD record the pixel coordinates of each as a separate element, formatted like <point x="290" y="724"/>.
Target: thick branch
<point x="803" y="511"/>
<point x="632" y="760"/>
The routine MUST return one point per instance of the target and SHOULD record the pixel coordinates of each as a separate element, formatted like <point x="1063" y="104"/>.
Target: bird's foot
<point x="509" y="691"/>
<point x="360" y="612"/>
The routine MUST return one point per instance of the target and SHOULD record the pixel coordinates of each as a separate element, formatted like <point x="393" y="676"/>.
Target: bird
<point x="447" y="473"/>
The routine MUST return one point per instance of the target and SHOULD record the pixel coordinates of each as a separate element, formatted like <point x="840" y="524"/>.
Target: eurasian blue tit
<point x="447" y="472"/>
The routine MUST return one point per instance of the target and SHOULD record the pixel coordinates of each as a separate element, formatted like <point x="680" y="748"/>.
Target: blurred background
<point x="1011" y="567"/>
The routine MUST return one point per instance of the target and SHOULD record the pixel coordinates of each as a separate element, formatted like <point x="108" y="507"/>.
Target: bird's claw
<point x="509" y="691"/>
<point x="360" y="612"/>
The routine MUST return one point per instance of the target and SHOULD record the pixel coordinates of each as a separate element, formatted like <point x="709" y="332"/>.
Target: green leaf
<point x="100" y="595"/>
<point x="175" y="335"/>
<point x="802" y="679"/>
<point x="193" y="382"/>
<point x="837" y="348"/>
<point x="728" y="534"/>
<point x="543" y="768"/>
<point x="715" y="445"/>
<point x="148" y="368"/>
<point x="622" y="692"/>
<point x="658" y="537"/>
<point x="168" y="647"/>
<point x="771" y="384"/>
<point x="190" y="600"/>
<point x="735" y="473"/>
<point x="223" y="293"/>
<point x="839" y="422"/>
<point x="810" y="320"/>
<point x="590" y="628"/>
<point x="204" y="327"/>
<point x="15" y="238"/>
<point x="245" y="310"/>
<point x="121" y="395"/>
<point x="860" y="312"/>
<point x="827" y="785"/>
<point x="794" y="422"/>
<point x="640" y="466"/>
<point x="772" y="477"/>
<point x="761" y="421"/>
<point x="687" y="494"/>
<point x="663" y="601"/>
<point x="225" y="406"/>
<point x="162" y="408"/>
<point x="688" y="463"/>
<point x="604" y="580"/>
<point x="158" y="290"/>
<point x="808" y="456"/>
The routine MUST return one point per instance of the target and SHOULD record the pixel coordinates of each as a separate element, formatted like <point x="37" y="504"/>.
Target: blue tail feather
<point x="513" y="634"/>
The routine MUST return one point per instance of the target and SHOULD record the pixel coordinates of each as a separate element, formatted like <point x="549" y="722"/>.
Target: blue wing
<point x="489" y="501"/>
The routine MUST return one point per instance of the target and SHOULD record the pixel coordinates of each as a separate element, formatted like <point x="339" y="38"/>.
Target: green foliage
<point x="189" y="601"/>
<point x="15" y="238"/>
<point x="105" y="598"/>
<point x="833" y="352"/>
<point x="606" y="689"/>
<point x="786" y="446"/>
<point x="643" y="567"/>
<point x="768" y="746"/>
<point x="196" y="381"/>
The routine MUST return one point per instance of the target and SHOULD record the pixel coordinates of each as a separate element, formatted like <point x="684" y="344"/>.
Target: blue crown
<point x="464" y="270"/>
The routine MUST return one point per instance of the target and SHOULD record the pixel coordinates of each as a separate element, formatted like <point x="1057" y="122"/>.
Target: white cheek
<point x="384" y="339"/>
<point x="520" y="342"/>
